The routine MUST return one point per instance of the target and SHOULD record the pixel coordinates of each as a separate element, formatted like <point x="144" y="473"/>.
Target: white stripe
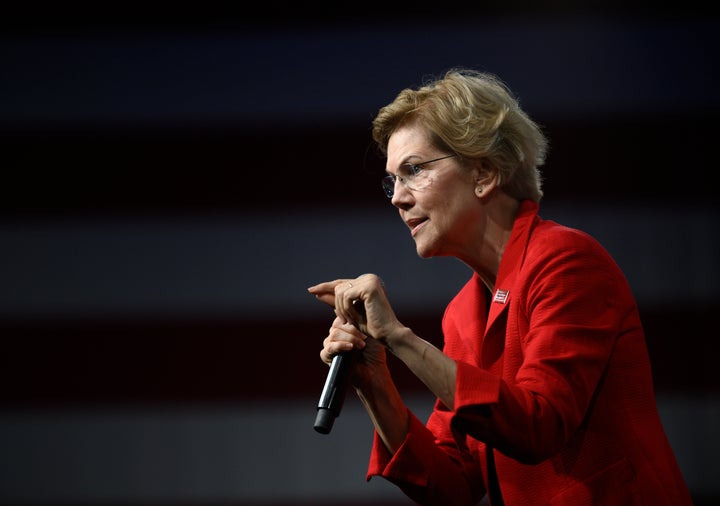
<point x="246" y="453"/>
<point x="255" y="265"/>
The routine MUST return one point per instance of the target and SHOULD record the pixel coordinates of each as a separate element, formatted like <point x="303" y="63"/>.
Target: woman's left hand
<point x="362" y="302"/>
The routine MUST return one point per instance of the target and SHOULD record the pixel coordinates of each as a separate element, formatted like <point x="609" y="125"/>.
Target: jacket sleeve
<point x="428" y="470"/>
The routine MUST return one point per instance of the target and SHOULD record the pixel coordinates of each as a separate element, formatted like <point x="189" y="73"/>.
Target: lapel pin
<point x="501" y="296"/>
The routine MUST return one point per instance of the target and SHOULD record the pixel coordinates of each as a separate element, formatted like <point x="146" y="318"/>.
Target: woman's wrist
<point x="399" y="338"/>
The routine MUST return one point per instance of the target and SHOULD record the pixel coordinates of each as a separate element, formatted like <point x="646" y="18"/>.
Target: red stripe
<point x="119" y="361"/>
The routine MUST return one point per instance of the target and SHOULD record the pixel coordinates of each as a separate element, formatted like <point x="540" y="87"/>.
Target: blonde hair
<point x="475" y="115"/>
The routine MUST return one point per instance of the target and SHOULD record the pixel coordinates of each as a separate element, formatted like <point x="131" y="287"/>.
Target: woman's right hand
<point x="345" y="337"/>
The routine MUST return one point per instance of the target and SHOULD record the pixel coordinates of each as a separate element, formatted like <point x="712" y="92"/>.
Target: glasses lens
<point x="388" y="184"/>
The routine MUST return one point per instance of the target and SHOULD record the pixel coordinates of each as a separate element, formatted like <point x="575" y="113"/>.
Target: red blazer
<point x="554" y="388"/>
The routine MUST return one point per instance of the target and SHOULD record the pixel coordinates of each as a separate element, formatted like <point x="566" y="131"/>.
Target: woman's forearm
<point x="428" y="363"/>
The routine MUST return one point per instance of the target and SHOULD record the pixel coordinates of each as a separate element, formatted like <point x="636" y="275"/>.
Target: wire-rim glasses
<point x="409" y="174"/>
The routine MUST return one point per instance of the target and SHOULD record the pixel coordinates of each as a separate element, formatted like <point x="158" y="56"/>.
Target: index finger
<point x="325" y="292"/>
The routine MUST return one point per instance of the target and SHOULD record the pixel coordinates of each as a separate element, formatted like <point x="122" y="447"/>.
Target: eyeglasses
<point x="412" y="175"/>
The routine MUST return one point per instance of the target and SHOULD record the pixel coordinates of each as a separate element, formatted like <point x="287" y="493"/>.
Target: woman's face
<point x="443" y="214"/>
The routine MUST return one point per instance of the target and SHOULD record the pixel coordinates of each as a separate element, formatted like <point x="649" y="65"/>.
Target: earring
<point x="479" y="190"/>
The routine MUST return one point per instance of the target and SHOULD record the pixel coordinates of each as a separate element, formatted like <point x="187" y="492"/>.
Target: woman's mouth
<point x="415" y="224"/>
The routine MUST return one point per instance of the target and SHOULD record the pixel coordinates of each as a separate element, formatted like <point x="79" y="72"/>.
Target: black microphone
<point x="333" y="393"/>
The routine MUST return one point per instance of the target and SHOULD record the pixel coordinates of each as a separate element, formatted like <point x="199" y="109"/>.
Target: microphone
<point x="333" y="393"/>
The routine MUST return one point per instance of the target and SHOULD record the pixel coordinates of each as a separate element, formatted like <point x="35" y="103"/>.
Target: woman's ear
<point x="486" y="179"/>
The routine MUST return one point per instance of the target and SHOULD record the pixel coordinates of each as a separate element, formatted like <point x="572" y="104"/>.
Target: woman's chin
<point x="424" y="251"/>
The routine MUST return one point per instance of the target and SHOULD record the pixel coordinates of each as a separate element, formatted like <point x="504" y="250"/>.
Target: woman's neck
<point x="500" y="213"/>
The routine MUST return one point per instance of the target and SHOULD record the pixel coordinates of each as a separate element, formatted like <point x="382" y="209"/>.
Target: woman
<point x="544" y="388"/>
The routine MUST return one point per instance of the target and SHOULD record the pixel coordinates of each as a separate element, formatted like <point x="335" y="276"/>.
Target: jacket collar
<point x="512" y="259"/>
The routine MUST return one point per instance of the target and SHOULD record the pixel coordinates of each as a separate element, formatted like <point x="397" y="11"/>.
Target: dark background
<point x="132" y="122"/>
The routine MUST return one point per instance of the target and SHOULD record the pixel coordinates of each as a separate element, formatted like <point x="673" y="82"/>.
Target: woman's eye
<point x="408" y="171"/>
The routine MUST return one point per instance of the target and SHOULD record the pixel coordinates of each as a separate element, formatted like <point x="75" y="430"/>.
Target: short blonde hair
<point x="476" y="116"/>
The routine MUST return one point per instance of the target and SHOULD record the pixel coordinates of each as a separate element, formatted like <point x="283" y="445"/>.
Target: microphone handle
<point x="333" y="393"/>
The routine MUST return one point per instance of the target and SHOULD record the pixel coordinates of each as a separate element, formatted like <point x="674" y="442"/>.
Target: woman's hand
<point x="362" y="303"/>
<point x="365" y="321"/>
<point x="344" y="337"/>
